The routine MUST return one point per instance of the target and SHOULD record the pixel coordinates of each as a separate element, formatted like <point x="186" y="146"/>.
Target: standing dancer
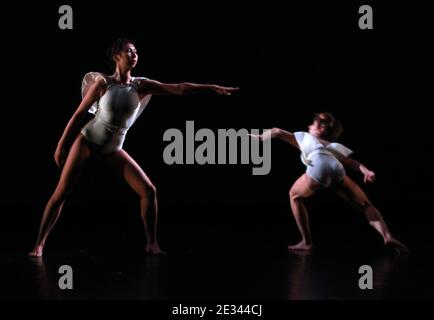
<point x="116" y="101"/>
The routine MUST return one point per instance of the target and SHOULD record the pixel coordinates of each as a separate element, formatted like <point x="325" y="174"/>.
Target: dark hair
<point x="117" y="47"/>
<point x="333" y="127"/>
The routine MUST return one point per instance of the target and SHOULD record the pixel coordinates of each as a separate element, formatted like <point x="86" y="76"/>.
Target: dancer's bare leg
<point x="304" y="187"/>
<point x="126" y="168"/>
<point x="71" y="171"/>
<point x="353" y="194"/>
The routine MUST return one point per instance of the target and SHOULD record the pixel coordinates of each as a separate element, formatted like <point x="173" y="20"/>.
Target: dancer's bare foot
<point x="301" y="246"/>
<point x="37" y="251"/>
<point x="398" y="246"/>
<point x="154" y="249"/>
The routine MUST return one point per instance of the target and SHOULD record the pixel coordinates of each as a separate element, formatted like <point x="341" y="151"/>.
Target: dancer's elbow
<point x="179" y="89"/>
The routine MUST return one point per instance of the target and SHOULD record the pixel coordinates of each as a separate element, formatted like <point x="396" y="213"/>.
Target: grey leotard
<point x="321" y="158"/>
<point x="115" y="113"/>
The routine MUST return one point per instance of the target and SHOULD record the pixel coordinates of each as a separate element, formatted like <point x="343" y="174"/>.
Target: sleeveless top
<point x="311" y="146"/>
<point x="114" y="112"/>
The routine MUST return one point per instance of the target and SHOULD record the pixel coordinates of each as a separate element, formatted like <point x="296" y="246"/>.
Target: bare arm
<point x="368" y="175"/>
<point x="77" y="122"/>
<point x="280" y="134"/>
<point x="158" y="88"/>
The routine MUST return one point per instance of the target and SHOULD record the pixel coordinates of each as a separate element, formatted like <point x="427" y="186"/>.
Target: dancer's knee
<point x="148" y="192"/>
<point x="363" y="204"/>
<point x="61" y="193"/>
<point x="294" y="195"/>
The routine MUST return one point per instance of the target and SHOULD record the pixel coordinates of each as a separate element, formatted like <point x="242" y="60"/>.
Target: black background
<point x="290" y="61"/>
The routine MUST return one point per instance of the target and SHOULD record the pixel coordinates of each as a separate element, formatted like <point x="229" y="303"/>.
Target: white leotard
<point x="322" y="158"/>
<point x="115" y="112"/>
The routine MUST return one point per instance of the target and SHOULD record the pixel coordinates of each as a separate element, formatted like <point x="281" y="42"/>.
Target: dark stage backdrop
<point x="290" y="61"/>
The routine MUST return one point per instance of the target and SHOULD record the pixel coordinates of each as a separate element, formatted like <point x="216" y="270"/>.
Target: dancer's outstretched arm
<point x="368" y="175"/>
<point x="159" y="88"/>
<point x="77" y="120"/>
<point x="277" y="133"/>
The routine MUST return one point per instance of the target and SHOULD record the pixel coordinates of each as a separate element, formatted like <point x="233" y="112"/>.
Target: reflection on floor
<point x="216" y="275"/>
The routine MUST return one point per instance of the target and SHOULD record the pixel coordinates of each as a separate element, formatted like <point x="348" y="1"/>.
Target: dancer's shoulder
<point x="94" y="75"/>
<point x="90" y="78"/>
<point x="303" y="137"/>
<point x="139" y="80"/>
<point x="339" y="148"/>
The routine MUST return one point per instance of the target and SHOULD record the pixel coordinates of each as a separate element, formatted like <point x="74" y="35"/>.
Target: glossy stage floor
<point x="205" y="275"/>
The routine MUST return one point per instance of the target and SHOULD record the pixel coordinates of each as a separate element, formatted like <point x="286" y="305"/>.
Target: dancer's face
<point x="128" y="57"/>
<point x="316" y="129"/>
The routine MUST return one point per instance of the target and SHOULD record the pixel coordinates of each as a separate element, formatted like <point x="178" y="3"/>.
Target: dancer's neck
<point x="122" y="76"/>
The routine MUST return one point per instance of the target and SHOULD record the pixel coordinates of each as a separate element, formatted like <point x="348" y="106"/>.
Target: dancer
<point x="325" y="163"/>
<point x="116" y="101"/>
